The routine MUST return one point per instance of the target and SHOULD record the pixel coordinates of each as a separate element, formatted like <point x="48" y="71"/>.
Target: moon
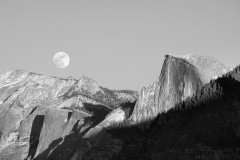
<point x="61" y="60"/>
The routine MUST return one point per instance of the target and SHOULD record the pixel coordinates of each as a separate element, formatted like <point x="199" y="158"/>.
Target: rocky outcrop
<point x="41" y="116"/>
<point x="96" y="138"/>
<point x="116" y="116"/>
<point x="25" y="97"/>
<point x="84" y="85"/>
<point x="142" y="109"/>
<point x="180" y="78"/>
<point x="127" y="97"/>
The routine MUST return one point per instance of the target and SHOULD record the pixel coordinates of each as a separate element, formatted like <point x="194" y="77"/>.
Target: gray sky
<point x="119" y="43"/>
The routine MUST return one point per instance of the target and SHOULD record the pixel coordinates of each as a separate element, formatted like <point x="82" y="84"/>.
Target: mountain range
<point x="191" y="111"/>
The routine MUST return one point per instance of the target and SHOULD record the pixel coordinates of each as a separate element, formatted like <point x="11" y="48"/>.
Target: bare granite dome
<point x="181" y="77"/>
<point x="209" y="67"/>
<point x="177" y="81"/>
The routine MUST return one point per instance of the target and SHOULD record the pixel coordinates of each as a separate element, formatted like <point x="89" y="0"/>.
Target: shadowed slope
<point x="204" y="127"/>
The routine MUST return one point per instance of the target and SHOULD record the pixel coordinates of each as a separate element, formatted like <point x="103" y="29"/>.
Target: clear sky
<point x="119" y="43"/>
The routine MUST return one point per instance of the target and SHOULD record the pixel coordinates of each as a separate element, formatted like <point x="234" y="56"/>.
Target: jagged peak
<point x="13" y="75"/>
<point x="53" y="77"/>
<point x="149" y="86"/>
<point x="18" y="71"/>
<point x="87" y="79"/>
<point x="85" y="84"/>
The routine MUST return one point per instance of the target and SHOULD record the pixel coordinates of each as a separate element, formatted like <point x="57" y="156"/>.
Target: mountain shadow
<point x="35" y="134"/>
<point x="205" y="126"/>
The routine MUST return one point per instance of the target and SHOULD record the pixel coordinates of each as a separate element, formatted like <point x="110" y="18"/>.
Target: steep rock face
<point x="21" y="92"/>
<point x="180" y="77"/>
<point x="38" y="120"/>
<point x="59" y="127"/>
<point x="178" y="80"/>
<point x="144" y="103"/>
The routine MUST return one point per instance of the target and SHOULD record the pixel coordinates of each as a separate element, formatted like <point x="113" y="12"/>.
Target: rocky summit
<point x="180" y="78"/>
<point x="50" y="118"/>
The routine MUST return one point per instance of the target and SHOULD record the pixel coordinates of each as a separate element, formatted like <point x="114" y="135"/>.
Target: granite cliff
<point x="203" y="127"/>
<point x="39" y="113"/>
<point x="180" y="78"/>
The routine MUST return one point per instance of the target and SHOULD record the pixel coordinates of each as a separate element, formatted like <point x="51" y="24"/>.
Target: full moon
<point x="61" y="60"/>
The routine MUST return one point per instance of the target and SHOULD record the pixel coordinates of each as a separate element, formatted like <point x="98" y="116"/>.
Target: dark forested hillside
<point x="204" y="127"/>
